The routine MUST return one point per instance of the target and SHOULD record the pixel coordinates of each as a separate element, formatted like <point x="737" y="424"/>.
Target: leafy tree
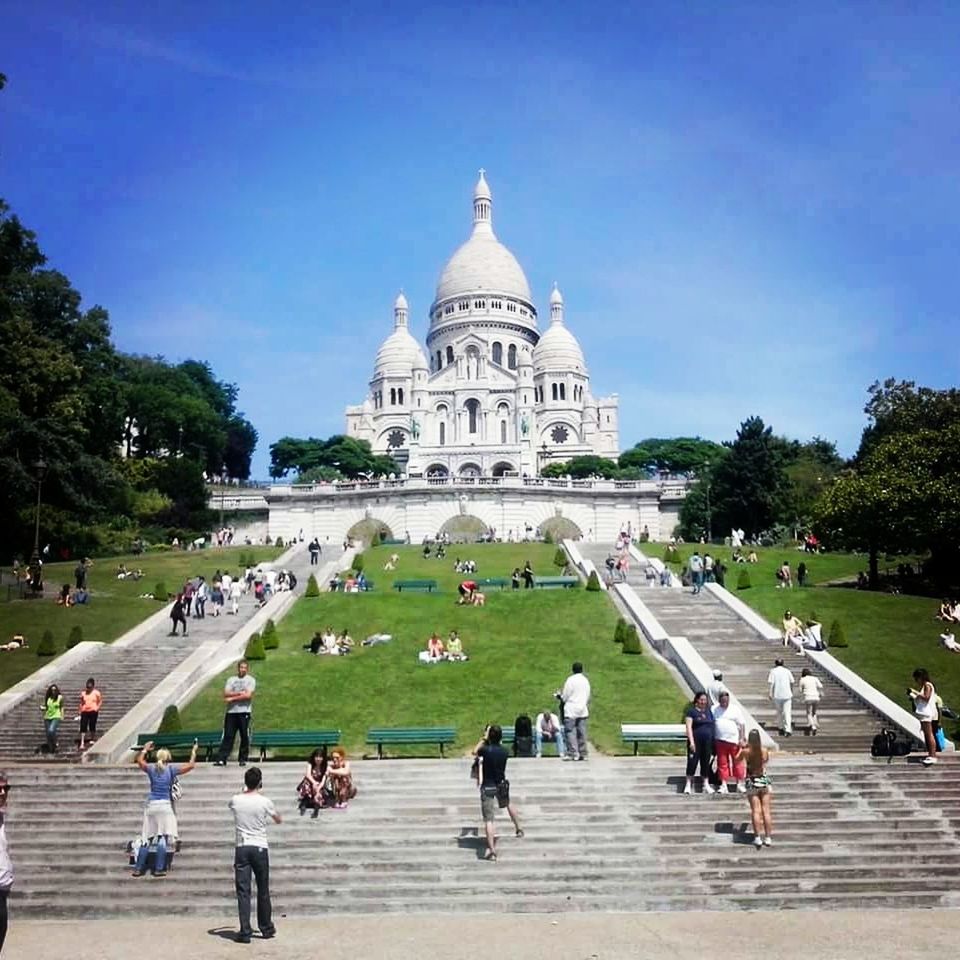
<point x="346" y="456"/>
<point x="580" y="467"/>
<point x="747" y="485"/>
<point x="682" y="455"/>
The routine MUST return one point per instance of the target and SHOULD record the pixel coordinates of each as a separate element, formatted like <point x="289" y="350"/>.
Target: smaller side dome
<point x="558" y="349"/>
<point x="400" y="353"/>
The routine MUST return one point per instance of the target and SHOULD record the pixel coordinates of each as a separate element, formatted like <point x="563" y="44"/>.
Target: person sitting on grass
<point x="316" y="643"/>
<point x="784" y="577"/>
<point x="792" y="631"/>
<point x="344" y="643"/>
<point x="946" y="612"/>
<point x="340" y="778"/>
<point x="515" y="579"/>
<point x="19" y="642"/>
<point x="949" y="642"/>
<point x="454" y="649"/>
<point x="812" y="636"/>
<point x="435" y="648"/>
<point x="752" y="557"/>
<point x="64" y="599"/>
<point x="466" y="590"/>
<point x="478" y="599"/>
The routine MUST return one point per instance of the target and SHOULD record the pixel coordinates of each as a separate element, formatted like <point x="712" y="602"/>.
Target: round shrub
<point x="313" y="588"/>
<point x="76" y="636"/>
<point x="593" y="582"/>
<point x="160" y="592"/>
<point x="631" y="640"/>
<point x="271" y="639"/>
<point x="48" y="647"/>
<point x="170" y="723"/>
<point x="838" y="637"/>
<point x="743" y="580"/>
<point x="255" y="649"/>
<point x="358" y="562"/>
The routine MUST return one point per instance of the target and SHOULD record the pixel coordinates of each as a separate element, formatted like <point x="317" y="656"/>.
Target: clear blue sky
<point x="750" y="208"/>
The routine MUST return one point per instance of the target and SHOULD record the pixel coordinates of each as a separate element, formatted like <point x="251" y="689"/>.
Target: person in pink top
<point x="90" y="702"/>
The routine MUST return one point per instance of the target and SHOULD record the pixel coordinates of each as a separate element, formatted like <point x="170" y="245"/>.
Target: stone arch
<point x="469" y="469"/>
<point x="560" y="528"/>
<point x="502" y="467"/>
<point x="464" y="528"/>
<point x="365" y="529"/>
<point x="437" y="470"/>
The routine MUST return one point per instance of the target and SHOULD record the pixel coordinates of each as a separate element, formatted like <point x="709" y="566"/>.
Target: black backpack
<point x="886" y="744"/>
<point x="523" y="736"/>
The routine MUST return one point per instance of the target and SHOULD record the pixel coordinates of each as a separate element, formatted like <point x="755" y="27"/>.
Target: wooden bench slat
<point x="427" y="586"/>
<point x="394" y="735"/>
<point x="637" y="733"/>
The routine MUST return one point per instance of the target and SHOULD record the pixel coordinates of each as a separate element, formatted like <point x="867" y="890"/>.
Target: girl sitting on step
<point x="340" y="778"/>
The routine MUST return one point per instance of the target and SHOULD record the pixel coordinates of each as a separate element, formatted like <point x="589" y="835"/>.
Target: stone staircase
<point x="123" y="675"/>
<point x="613" y="834"/>
<point x="727" y="644"/>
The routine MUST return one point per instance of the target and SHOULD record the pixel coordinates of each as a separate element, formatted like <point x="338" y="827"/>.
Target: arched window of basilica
<point x="512" y="356"/>
<point x="449" y="354"/>
<point x="497" y="354"/>
<point x="443" y="434"/>
<point x="393" y="397"/>
<point x="400" y="396"/>
<point x="503" y="431"/>
<point x="553" y="390"/>
<point x="563" y="393"/>
<point x="473" y="414"/>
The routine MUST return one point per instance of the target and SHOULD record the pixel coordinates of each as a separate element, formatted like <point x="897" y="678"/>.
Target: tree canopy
<point x="331" y="459"/>
<point x="681" y="455"/>
<point x="117" y="435"/>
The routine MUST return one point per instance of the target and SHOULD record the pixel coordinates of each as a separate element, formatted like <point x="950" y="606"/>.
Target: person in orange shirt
<point x="90" y="702"/>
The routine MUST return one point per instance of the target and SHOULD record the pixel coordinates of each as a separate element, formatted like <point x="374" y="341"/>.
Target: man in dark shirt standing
<point x="494" y="786"/>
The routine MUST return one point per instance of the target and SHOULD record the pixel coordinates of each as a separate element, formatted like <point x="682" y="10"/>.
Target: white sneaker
<point x="758" y="842"/>
<point x="768" y="841"/>
<point x="708" y="788"/>
<point x="741" y="787"/>
<point x="929" y="761"/>
<point x="688" y="789"/>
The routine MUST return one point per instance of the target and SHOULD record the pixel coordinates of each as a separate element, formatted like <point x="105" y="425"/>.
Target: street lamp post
<point x="36" y="575"/>
<point x="709" y="518"/>
<point x="223" y="480"/>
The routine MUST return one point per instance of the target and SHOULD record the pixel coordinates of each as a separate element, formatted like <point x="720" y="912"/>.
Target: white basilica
<point x="492" y="396"/>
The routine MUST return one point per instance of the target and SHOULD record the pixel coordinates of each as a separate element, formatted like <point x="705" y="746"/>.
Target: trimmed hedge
<point x="620" y="630"/>
<point x="271" y="639"/>
<point x="358" y="561"/>
<point x="160" y="592"/>
<point x="838" y="637"/>
<point x="631" y="640"/>
<point x="743" y="580"/>
<point x="313" y="588"/>
<point x="170" y="723"/>
<point x="593" y="582"/>
<point x="76" y="636"/>
<point x="255" y="649"/>
<point x="48" y="646"/>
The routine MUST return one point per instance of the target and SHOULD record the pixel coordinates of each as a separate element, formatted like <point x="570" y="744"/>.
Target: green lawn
<point x="521" y="645"/>
<point x="888" y="636"/>
<point x="115" y="605"/>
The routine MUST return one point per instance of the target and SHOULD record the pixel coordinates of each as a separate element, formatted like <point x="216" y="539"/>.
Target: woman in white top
<point x="811" y="689"/>
<point x="925" y="708"/>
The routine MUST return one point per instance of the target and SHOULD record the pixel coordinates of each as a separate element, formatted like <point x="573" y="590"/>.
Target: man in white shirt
<point x="548" y="728"/>
<point x="575" y="696"/>
<point x="251" y="813"/>
<point x="6" y="866"/>
<point x="780" y="681"/>
<point x="696" y="572"/>
<point x="729" y="734"/>
<point x="716" y="688"/>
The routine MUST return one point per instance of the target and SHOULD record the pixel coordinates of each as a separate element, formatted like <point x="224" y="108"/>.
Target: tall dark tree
<point x="747" y="485"/>
<point x="684" y="455"/>
<point x="343" y="455"/>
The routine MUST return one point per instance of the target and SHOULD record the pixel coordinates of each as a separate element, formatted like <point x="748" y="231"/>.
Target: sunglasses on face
<point x="5" y="787"/>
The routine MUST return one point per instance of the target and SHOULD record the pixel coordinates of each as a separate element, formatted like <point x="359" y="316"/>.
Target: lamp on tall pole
<point x="223" y="480"/>
<point x="709" y="518"/>
<point x="36" y="576"/>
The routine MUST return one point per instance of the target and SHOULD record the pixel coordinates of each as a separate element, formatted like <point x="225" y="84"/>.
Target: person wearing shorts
<point x="90" y="702"/>
<point x="466" y="590"/>
<point x="494" y="786"/>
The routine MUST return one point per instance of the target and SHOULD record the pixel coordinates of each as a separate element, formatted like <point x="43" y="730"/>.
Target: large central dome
<point x="482" y="264"/>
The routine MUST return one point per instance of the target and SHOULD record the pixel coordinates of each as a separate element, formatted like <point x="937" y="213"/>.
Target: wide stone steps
<point x="849" y="833"/>
<point x="846" y="724"/>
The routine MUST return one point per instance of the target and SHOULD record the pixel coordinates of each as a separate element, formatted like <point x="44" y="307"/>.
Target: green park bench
<point x="391" y="736"/>
<point x="637" y="733"/>
<point x="501" y="582"/>
<point x="207" y="740"/>
<point x="308" y="739"/>
<point x="393" y="542"/>
<point x="551" y="583"/>
<point x="415" y="586"/>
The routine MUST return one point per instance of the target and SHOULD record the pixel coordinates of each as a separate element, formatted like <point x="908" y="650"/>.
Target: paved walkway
<point x="833" y="935"/>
